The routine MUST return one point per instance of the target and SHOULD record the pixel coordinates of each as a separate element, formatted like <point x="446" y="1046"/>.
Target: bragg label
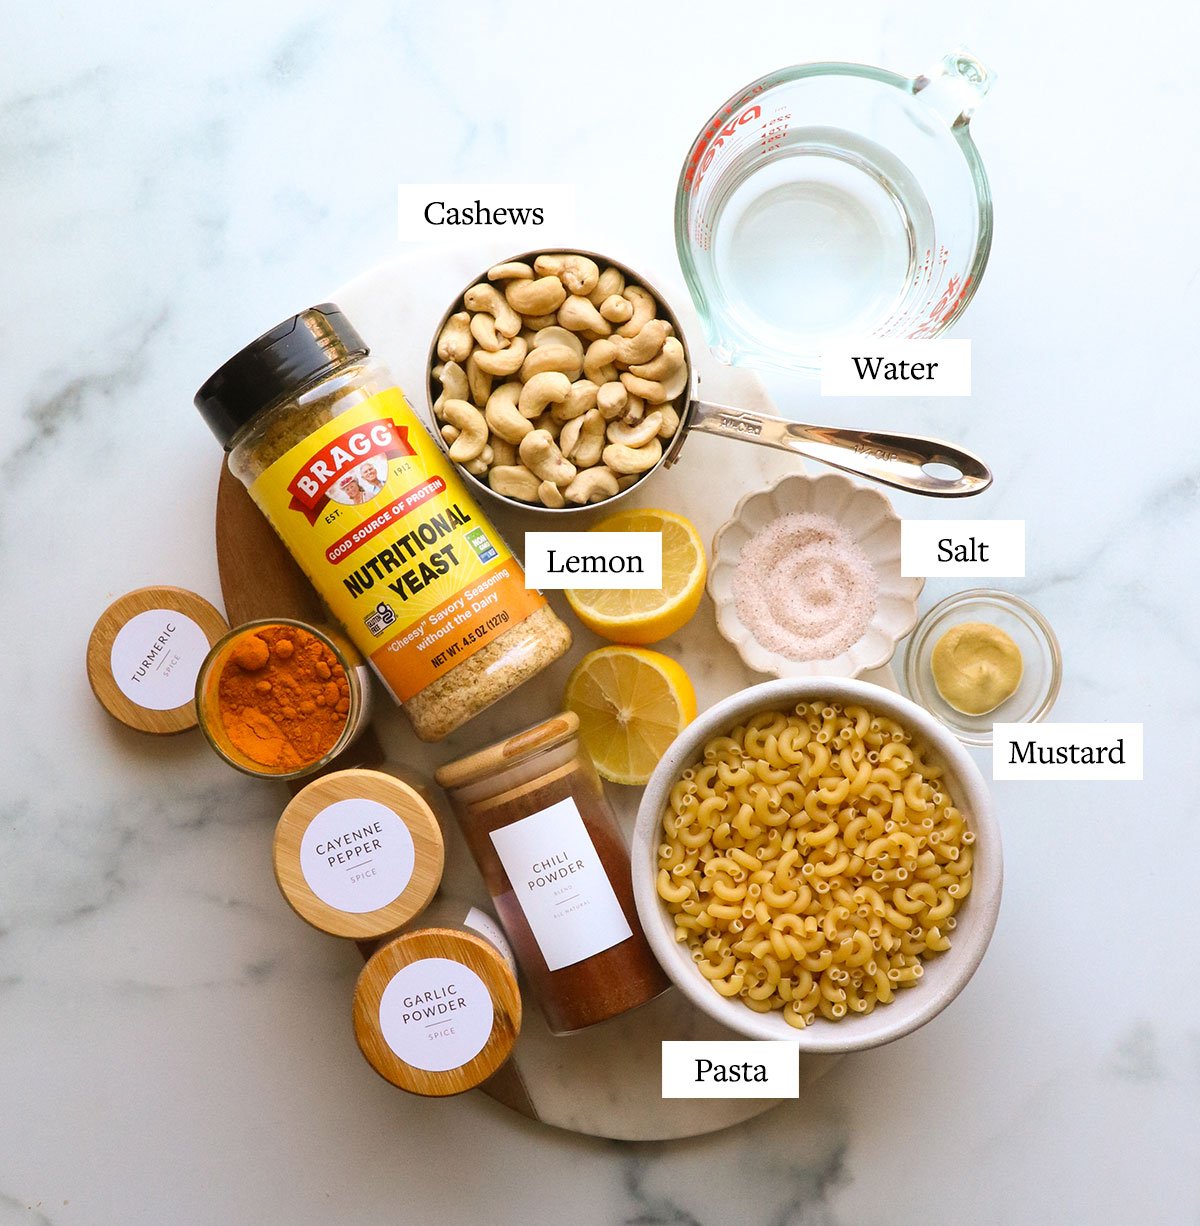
<point x="372" y="509"/>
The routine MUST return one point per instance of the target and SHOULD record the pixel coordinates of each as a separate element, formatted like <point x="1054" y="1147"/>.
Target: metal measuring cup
<point x="902" y="461"/>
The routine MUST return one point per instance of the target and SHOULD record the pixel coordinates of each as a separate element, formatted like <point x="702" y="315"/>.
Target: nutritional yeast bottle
<point x="374" y="513"/>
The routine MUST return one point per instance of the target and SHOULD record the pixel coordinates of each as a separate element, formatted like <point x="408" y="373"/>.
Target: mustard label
<point x="374" y="513"/>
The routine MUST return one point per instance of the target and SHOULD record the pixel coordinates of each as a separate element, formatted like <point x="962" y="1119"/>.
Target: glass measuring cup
<point x="831" y="200"/>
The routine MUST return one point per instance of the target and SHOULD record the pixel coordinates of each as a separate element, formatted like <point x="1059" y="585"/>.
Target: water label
<point x="871" y="366"/>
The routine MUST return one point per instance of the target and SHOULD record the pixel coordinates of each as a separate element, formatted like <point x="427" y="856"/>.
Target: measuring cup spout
<point x="955" y="86"/>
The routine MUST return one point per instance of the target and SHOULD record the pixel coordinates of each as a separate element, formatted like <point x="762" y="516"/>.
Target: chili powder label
<point x="372" y="509"/>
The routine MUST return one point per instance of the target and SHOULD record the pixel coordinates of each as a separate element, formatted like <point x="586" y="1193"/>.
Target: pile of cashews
<point x="558" y="382"/>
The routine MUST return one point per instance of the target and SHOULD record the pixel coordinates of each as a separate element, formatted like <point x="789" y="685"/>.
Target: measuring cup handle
<point x="898" y="460"/>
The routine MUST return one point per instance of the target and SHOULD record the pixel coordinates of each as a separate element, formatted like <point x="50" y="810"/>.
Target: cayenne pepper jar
<point x="534" y="815"/>
<point x="373" y="511"/>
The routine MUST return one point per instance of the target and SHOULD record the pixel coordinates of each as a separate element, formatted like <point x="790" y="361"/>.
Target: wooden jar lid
<point x="436" y="1011"/>
<point x="506" y="753"/>
<point x="145" y="653"/>
<point x="358" y="854"/>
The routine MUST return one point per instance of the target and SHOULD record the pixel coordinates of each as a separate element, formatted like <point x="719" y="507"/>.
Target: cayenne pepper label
<point x="373" y="511"/>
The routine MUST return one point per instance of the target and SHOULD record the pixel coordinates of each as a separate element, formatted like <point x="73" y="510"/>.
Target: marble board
<point x="605" y="1081"/>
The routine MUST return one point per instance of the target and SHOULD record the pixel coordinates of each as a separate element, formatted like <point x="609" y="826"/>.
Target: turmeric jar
<point x="373" y="511"/>
<point x="280" y="699"/>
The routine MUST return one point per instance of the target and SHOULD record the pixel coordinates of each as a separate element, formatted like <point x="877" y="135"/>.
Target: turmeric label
<point x="283" y="698"/>
<point x="374" y="513"/>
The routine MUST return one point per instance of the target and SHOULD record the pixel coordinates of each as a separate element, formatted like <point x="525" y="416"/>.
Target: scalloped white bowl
<point x="945" y="975"/>
<point x="870" y="519"/>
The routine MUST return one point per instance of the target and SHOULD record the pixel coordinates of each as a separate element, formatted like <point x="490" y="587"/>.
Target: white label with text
<point x="450" y="210"/>
<point x="561" y="885"/>
<point x="593" y="559"/>
<point x="750" y="1068"/>
<point x="1067" y="751"/>
<point x="436" y="1014"/>
<point x="962" y="547"/>
<point x="357" y="855"/>
<point x="874" y="367"/>
<point x="156" y="658"/>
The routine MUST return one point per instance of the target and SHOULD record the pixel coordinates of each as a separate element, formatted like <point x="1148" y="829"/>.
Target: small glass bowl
<point x="210" y="676"/>
<point x="1040" y="654"/>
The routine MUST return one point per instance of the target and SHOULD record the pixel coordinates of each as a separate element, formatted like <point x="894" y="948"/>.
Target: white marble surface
<point x="174" y="1042"/>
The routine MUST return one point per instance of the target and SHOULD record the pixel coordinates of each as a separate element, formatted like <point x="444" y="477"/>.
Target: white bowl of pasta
<point x="816" y="859"/>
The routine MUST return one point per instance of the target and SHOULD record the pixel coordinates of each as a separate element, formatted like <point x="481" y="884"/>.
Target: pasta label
<point x="559" y="880"/>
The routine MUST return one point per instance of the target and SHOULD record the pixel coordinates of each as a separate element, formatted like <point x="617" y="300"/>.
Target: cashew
<point x="611" y="400"/>
<point x="598" y="361"/>
<point x="483" y="329"/>
<point x="641" y="348"/>
<point x="576" y="272"/>
<point x="454" y="386"/>
<point x="644" y="310"/>
<point x="612" y="281"/>
<point x="623" y="483"/>
<point x="538" y="297"/>
<point x="552" y="357"/>
<point x="514" y="270"/>
<point x="554" y="335"/>
<point x="592" y="485"/>
<point x="514" y="481"/>
<point x="635" y="410"/>
<point x="663" y="366"/>
<point x="550" y="387"/>
<point x="590" y="443"/>
<point x="578" y="314"/>
<point x="656" y="393"/>
<point x="487" y="298"/>
<point x="536" y="323"/>
<point x="474" y="431"/>
<point x="670" y="422"/>
<point x="549" y="423"/>
<point x="540" y="454"/>
<point x="454" y="340"/>
<point x="617" y="309"/>
<point x="449" y="433"/>
<point x="551" y="495"/>
<point x="502" y="416"/>
<point x="624" y="460"/>
<point x="481" y="463"/>
<point x="504" y="361"/>
<point x="569" y="435"/>
<point x="580" y="399"/>
<point x="635" y="436"/>
<point x="479" y="380"/>
<point x="503" y="452"/>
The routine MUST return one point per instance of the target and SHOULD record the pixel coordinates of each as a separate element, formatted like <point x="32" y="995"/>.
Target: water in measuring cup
<point x="820" y="238"/>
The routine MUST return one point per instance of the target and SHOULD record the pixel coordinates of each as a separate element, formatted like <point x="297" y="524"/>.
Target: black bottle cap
<point x="292" y="354"/>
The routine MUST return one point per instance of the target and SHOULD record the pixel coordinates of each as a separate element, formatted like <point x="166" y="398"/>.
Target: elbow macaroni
<point x="812" y="879"/>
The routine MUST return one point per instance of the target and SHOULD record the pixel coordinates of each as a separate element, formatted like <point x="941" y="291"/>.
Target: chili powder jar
<point x="378" y="519"/>
<point x="533" y="812"/>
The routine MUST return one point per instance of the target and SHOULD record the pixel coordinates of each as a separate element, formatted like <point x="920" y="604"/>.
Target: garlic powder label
<point x="561" y="885"/>
<point x="156" y="658"/>
<point x="436" y="1014"/>
<point x="357" y="855"/>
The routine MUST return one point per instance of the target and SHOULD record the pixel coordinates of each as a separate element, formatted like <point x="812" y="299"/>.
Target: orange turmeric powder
<point x="283" y="698"/>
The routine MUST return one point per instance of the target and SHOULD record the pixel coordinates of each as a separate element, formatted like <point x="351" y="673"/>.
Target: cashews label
<point x="427" y="210"/>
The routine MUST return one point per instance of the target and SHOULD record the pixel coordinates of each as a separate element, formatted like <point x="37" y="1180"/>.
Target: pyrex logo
<point x="714" y="139"/>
